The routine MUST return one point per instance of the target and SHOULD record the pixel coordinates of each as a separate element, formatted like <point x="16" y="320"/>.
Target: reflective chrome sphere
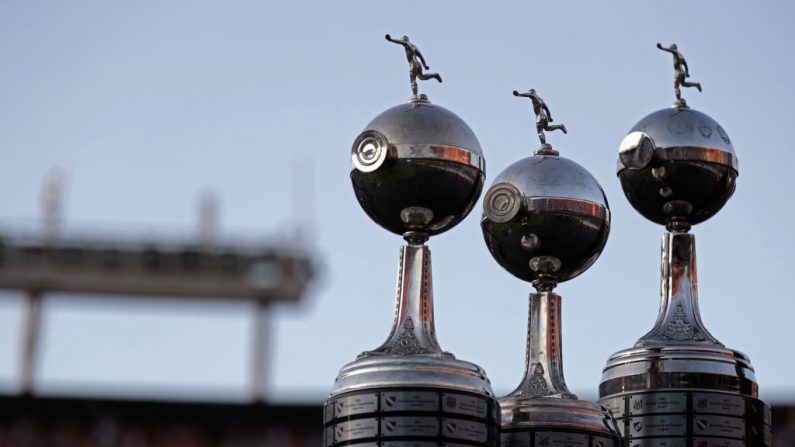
<point x="417" y="166"/>
<point x="677" y="167"/>
<point x="545" y="217"/>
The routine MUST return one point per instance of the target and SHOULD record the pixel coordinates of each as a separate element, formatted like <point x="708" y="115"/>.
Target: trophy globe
<point x="680" y="386"/>
<point x="546" y="220"/>
<point x="417" y="170"/>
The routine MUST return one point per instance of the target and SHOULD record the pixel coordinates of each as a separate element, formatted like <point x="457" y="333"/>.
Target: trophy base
<point x="552" y="421"/>
<point x="411" y="401"/>
<point x="690" y="418"/>
<point x="685" y="396"/>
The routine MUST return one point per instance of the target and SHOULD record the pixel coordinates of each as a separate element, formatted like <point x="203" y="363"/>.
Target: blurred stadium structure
<point x="188" y="267"/>
<point x="51" y="422"/>
<point x="49" y="261"/>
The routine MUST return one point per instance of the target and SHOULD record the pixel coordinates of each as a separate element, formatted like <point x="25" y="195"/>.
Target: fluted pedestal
<point x="409" y="392"/>
<point x="679" y="386"/>
<point x="542" y="411"/>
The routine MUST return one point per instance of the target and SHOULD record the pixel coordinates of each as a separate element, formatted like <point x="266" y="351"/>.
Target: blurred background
<point x="183" y="261"/>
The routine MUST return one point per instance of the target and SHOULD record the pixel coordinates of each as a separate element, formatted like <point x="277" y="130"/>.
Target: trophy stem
<point x="679" y="320"/>
<point x="413" y="330"/>
<point x="543" y="375"/>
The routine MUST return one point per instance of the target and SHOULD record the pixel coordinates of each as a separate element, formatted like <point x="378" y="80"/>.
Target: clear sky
<point x="147" y="104"/>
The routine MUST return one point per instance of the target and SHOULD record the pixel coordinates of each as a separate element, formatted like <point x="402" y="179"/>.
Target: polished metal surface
<point x="417" y="155"/>
<point x="413" y="330"/>
<point x="677" y="166"/>
<point x="679" y="319"/>
<point x="553" y="176"/>
<point x="410" y="417"/>
<point x="690" y="418"/>
<point x="417" y="170"/>
<point x="546" y="220"/>
<point x="423" y="123"/>
<point x="411" y="354"/>
<point x="556" y="202"/>
<point x="679" y="352"/>
<point x="543" y="118"/>
<point x="416" y="64"/>
<point x="680" y="386"/>
<point x="542" y="403"/>
<point x="681" y="127"/>
<point x="543" y="362"/>
<point x="409" y="389"/>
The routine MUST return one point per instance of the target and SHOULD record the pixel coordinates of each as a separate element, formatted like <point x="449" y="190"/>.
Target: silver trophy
<point x="417" y="170"/>
<point x="679" y="386"/>
<point x="546" y="220"/>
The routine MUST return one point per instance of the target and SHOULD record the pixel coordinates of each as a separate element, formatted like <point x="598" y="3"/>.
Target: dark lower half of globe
<point x="706" y="187"/>
<point x="449" y="190"/>
<point x="574" y="239"/>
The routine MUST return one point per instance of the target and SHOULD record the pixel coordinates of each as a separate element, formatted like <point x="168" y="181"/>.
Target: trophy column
<point x="417" y="170"/>
<point x="546" y="220"/>
<point x="679" y="386"/>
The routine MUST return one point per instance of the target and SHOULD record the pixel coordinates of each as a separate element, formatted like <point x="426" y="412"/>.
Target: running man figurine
<point x="416" y="63"/>
<point x="543" y="115"/>
<point x="682" y="72"/>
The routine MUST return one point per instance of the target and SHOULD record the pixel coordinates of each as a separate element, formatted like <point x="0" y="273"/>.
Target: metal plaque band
<point x="397" y="417"/>
<point x="690" y="418"/>
<point x="556" y="437"/>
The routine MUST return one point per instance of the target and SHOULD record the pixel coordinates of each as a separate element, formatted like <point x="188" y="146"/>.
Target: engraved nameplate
<point x="357" y="404"/>
<point x="468" y="430"/>
<point x="603" y="442"/>
<point x="408" y="444"/>
<point x="758" y="432"/>
<point x="651" y="403"/>
<point x="660" y="425"/>
<point x="615" y="405"/>
<point x="666" y="442"/>
<point x="515" y="439"/>
<point x="558" y="439"/>
<point x="409" y="401"/>
<point x="329" y="436"/>
<point x="718" y="403"/>
<point x="719" y="426"/>
<point x="360" y="428"/>
<point x="409" y="426"/>
<point x="759" y="411"/>
<point x="328" y="412"/>
<point x="717" y="442"/>
<point x="463" y="404"/>
<point x="621" y="429"/>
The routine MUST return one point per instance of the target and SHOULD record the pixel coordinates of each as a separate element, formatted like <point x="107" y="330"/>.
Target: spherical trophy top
<point x="545" y="218"/>
<point x="417" y="167"/>
<point x="677" y="167"/>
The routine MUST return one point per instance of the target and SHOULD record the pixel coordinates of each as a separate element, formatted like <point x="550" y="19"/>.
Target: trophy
<point x="417" y="170"/>
<point x="679" y="386"/>
<point x="546" y="220"/>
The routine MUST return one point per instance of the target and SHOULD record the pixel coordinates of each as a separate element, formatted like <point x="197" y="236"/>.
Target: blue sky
<point x="147" y="104"/>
